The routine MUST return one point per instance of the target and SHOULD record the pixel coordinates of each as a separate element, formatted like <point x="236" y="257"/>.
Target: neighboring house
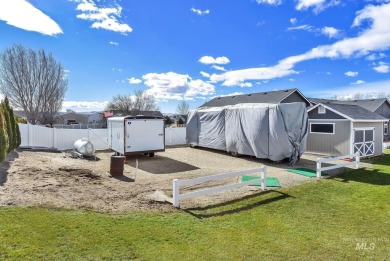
<point x="342" y="129"/>
<point x="379" y="106"/>
<point x="79" y="118"/>
<point x="275" y="97"/>
<point x="175" y="117"/>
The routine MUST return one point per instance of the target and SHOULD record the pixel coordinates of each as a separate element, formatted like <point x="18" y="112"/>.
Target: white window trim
<point x="321" y="110"/>
<point x="386" y="128"/>
<point x="322" y="123"/>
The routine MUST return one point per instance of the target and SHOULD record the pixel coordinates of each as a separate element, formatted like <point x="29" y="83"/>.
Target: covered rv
<point x="136" y="134"/>
<point x="271" y="131"/>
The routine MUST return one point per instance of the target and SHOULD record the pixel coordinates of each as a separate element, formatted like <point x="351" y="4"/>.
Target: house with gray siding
<point x="379" y="106"/>
<point x="275" y="97"/>
<point x="342" y="129"/>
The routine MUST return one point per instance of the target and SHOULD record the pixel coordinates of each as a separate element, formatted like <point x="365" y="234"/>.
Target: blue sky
<point x="196" y="50"/>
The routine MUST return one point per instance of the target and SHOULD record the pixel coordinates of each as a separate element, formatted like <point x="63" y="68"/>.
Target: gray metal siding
<point x="378" y="134"/>
<point x="313" y="114"/>
<point x="336" y="144"/>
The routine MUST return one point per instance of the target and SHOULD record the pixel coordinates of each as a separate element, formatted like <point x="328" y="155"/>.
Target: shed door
<point x="364" y="141"/>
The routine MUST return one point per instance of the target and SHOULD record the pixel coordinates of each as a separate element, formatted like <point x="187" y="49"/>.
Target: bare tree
<point x="140" y="101"/>
<point x="33" y="81"/>
<point x="121" y="102"/>
<point x="182" y="107"/>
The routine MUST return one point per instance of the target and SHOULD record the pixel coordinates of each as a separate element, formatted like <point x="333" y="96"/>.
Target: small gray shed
<point x="341" y="129"/>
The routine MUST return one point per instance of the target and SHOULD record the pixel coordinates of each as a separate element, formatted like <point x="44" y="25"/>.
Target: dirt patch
<point x="45" y="178"/>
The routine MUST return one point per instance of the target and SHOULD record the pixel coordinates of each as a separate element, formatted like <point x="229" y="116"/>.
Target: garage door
<point x="364" y="141"/>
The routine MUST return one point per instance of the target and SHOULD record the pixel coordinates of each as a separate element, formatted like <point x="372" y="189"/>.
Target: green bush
<point x="18" y="137"/>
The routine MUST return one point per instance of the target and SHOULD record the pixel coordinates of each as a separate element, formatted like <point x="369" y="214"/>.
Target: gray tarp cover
<point x="272" y="131"/>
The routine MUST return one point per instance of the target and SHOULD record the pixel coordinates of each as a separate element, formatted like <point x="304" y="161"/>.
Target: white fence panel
<point x="178" y="183"/>
<point x="23" y="134"/>
<point x="99" y="139"/>
<point x="66" y="138"/>
<point x="355" y="162"/>
<point x="63" y="139"/>
<point x="175" y="136"/>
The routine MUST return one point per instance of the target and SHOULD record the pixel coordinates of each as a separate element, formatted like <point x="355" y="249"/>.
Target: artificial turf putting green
<point x="306" y="172"/>
<point x="271" y="181"/>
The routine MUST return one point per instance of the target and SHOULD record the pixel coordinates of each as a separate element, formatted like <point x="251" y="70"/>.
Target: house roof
<point x="261" y="97"/>
<point x="368" y="104"/>
<point x="352" y="112"/>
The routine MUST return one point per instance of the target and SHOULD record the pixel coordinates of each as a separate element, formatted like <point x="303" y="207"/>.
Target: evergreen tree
<point x="7" y="127"/>
<point x="13" y="135"/>
<point x="3" y="135"/>
<point x="18" y="137"/>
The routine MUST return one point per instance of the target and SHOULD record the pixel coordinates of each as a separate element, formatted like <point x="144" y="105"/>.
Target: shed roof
<point x="261" y="97"/>
<point x="352" y="112"/>
<point x="368" y="104"/>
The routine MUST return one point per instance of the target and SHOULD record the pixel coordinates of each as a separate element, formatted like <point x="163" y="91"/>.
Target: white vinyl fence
<point x="63" y="139"/>
<point x="355" y="162"/>
<point x="177" y="183"/>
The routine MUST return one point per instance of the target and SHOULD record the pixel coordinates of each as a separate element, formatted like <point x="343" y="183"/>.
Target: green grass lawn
<point x="321" y="220"/>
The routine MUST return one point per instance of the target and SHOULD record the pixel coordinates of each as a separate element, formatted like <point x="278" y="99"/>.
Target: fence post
<point x="29" y="134"/>
<point x="318" y="168"/>
<point x="357" y="160"/>
<point x="264" y="179"/>
<point x="176" y="191"/>
<point x="55" y="138"/>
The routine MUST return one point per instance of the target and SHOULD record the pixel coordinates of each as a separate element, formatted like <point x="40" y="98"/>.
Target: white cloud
<point x="328" y="31"/>
<point x="102" y="17"/>
<point x="270" y="2"/>
<point x="373" y="88"/>
<point x="245" y="84"/>
<point x="133" y="80"/>
<point x="358" y="82"/>
<point x="304" y="27"/>
<point x="374" y="56"/>
<point x="317" y="5"/>
<point x="331" y="32"/>
<point x="200" y="12"/>
<point x="382" y="67"/>
<point x="219" y="68"/>
<point x="212" y="60"/>
<point x="205" y="74"/>
<point x="293" y="21"/>
<point x="22" y="14"/>
<point x="375" y="38"/>
<point x="351" y="74"/>
<point x="291" y="80"/>
<point x="173" y="86"/>
<point x="113" y="43"/>
<point x="84" y="105"/>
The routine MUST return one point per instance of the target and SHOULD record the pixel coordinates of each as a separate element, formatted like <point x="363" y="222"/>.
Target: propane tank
<point x="85" y="147"/>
